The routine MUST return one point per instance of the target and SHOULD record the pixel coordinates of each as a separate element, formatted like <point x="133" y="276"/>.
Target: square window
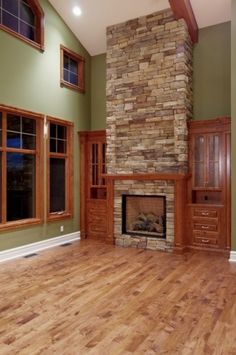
<point x="72" y="69"/>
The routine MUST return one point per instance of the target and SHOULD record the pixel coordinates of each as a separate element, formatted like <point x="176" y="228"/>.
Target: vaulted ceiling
<point x="90" y="27"/>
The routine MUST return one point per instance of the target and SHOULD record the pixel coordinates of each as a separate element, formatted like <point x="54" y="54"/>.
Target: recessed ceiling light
<point x="77" y="11"/>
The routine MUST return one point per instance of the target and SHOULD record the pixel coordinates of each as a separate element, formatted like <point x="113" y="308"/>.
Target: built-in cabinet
<point x="209" y="185"/>
<point x="93" y="190"/>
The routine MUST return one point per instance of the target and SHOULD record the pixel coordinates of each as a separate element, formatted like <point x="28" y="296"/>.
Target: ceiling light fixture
<point x="77" y="11"/>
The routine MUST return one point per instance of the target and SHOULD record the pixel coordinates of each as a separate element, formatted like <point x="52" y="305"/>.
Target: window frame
<point x="39" y="15"/>
<point x="68" y="156"/>
<point x="39" y="168"/>
<point x="81" y="69"/>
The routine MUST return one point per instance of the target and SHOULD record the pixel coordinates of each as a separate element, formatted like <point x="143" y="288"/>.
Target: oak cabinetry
<point x="93" y="190"/>
<point x="209" y="186"/>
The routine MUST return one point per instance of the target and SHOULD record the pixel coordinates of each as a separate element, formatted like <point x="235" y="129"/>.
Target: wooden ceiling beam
<point x="183" y="9"/>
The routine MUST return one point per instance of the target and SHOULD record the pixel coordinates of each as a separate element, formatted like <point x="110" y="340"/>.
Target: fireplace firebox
<point x="144" y="215"/>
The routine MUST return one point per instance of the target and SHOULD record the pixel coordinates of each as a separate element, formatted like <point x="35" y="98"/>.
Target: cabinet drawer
<point x="97" y="208"/>
<point x="204" y="226"/>
<point x="97" y="227"/>
<point x="204" y="212"/>
<point x="198" y="239"/>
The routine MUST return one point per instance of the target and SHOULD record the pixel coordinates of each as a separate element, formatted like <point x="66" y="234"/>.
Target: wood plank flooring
<point x="91" y="298"/>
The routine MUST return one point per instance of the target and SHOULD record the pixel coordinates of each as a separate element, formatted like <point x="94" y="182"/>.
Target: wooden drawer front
<point x="97" y="228"/>
<point x="97" y="220"/>
<point x="205" y="240"/>
<point x="97" y="208"/>
<point x="204" y="212"/>
<point x="205" y="227"/>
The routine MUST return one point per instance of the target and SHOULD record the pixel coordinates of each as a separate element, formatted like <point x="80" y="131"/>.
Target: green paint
<point x="98" y="92"/>
<point x="30" y="79"/>
<point x="211" y="72"/>
<point x="233" y="116"/>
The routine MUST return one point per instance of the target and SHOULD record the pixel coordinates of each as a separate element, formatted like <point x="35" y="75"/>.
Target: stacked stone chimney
<point x="149" y="100"/>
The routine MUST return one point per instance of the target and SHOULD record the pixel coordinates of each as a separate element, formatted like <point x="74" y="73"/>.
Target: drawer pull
<point x="205" y="240"/>
<point x="205" y="227"/>
<point x="205" y="213"/>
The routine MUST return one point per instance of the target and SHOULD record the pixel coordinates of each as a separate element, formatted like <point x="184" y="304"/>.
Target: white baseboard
<point x="232" y="257"/>
<point x="27" y="249"/>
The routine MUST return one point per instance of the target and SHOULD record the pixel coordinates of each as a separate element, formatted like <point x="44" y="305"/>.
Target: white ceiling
<point x="90" y="27"/>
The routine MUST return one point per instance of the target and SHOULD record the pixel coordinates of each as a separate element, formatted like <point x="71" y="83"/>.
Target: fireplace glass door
<point x="144" y="215"/>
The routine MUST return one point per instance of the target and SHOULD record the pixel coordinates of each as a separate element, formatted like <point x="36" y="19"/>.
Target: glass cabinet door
<point x="97" y="167"/>
<point x="213" y="168"/>
<point x="199" y="161"/>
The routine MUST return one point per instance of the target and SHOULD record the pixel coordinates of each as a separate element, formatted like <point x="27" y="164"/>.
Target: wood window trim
<point x="68" y="213"/>
<point x="39" y="172"/>
<point x="81" y="69"/>
<point x="39" y="14"/>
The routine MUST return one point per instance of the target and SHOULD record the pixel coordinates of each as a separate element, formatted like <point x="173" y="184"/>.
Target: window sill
<point x="36" y="45"/>
<point x="58" y="217"/>
<point x="73" y="87"/>
<point x="20" y="224"/>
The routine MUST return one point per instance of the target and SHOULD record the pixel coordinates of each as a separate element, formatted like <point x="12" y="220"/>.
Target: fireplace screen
<point x="144" y="215"/>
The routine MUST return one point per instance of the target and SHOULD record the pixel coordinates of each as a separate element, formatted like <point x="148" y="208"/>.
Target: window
<point x="72" y="70"/>
<point x="60" y="169"/>
<point x="23" y="19"/>
<point x="21" y="167"/>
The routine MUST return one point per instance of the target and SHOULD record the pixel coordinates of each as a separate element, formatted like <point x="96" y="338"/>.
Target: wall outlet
<point x="62" y="229"/>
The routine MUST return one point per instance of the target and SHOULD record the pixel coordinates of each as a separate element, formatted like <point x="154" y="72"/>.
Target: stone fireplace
<point x="144" y="215"/>
<point x="149" y="100"/>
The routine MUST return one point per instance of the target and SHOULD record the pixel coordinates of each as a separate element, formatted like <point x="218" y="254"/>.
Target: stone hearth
<point x="149" y="100"/>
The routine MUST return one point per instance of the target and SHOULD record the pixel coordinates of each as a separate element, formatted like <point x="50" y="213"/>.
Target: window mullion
<point x="4" y="168"/>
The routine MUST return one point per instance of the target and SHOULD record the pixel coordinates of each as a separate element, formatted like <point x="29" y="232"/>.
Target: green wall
<point x="30" y="79"/>
<point x="233" y="116"/>
<point x="98" y="92"/>
<point x="211" y="72"/>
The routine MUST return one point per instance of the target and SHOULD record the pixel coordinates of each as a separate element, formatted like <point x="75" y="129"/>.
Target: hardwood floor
<point x="90" y="298"/>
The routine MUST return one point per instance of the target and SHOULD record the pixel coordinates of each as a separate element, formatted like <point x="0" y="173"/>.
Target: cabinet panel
<point x="199" y="143"/>
<point x="203" y="212"/>
<point x="209" y="185"/>
<point x="205" y="226"/>
<point x="93" y="185"/>
<point x="213" y="160"/>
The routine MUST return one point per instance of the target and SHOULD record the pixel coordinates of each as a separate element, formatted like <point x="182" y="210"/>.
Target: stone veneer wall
<point x="149" y="99"/>
<point x="149" y="94"/>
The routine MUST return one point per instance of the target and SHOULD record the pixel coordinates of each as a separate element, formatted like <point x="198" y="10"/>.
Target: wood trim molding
<point x="19" y="252"/>
<point x="12" y="109"/>
<point x="232" y="256"/>
<point x="38" y="153"/>
<point x="81" y="69"/>
<point x="68" y="157"/>
<point x="156" y="176"/>
<point x="219" y="123"/>
<point x="183" y="9"/>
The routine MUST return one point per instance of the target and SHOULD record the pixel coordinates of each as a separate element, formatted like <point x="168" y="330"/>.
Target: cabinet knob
<point x="205" y="227"/>
<point x="205" y="240"/>
<point x="205" y="213"/>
